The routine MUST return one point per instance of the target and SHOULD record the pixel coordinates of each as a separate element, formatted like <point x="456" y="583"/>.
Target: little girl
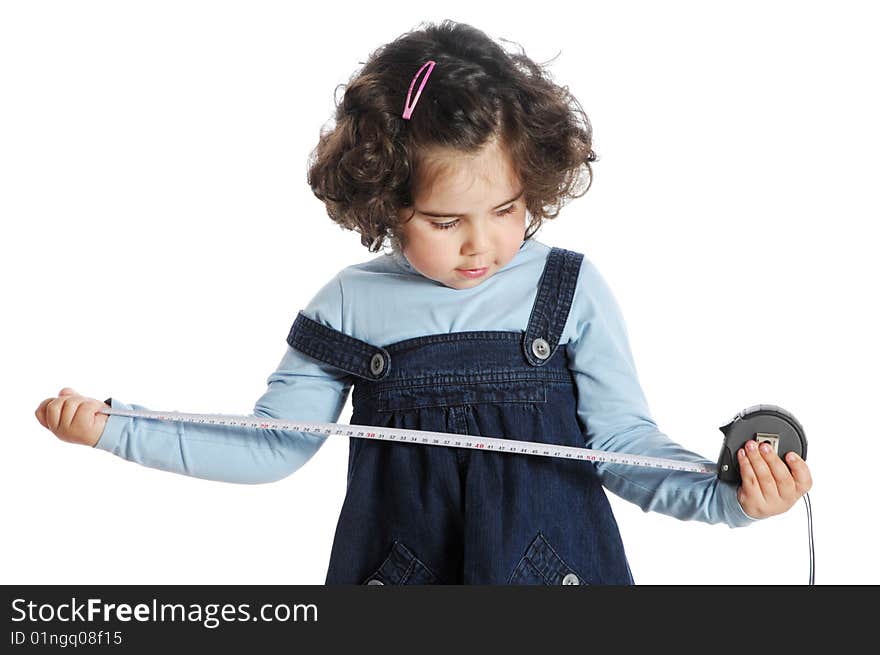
<point x="455" y="151"/>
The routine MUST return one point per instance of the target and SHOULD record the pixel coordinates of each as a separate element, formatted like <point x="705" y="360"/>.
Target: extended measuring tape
<point x="762" y="423"/>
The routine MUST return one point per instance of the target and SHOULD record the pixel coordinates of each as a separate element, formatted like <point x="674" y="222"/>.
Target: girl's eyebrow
<point x="451" y="214"/>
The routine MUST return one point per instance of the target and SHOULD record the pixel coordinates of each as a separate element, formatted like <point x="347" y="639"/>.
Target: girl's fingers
<point x="784" y="480"/>
<point x="53" y="413"/>
<point x="89" y="414"/>
<point x="81" y="413"/>
<point x="762" y="471"/>
<point x="801" y="473"/>
<point x="41" y="412"/>
<point x="747" y="474"/>
<point x="69" y="410"/>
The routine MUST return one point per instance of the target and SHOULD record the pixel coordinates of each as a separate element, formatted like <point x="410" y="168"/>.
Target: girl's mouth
<point x="473" y="273"/>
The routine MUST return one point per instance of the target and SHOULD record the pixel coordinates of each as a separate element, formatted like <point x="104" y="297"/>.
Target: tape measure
<point x="768" y="423"/>
<point x="762" y="422"/>
<point x="406" y="435"/>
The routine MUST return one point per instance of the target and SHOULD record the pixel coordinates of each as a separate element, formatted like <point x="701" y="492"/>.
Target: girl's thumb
<point x="66" y="391"/>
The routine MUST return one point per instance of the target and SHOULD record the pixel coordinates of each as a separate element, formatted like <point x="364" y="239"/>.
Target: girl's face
<point x="471" y="215"/>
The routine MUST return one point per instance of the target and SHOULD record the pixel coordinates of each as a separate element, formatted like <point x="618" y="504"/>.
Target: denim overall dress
<point x="426" y="514"/>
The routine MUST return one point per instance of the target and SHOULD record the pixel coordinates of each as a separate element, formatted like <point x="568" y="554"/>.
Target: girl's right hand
<point x="73" y="418"/>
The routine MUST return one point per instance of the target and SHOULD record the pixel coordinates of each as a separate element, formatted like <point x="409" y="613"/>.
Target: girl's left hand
<point x="768" y="487"/>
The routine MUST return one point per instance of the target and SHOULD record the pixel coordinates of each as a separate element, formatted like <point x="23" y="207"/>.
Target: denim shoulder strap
<point x="552" y="304"/>
<point x="338" y="349"/>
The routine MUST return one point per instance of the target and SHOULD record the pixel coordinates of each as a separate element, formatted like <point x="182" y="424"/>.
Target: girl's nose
<point x="477" y="241"/>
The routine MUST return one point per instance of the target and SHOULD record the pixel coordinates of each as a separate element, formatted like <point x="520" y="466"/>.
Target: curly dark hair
<point x="368" y="166"/>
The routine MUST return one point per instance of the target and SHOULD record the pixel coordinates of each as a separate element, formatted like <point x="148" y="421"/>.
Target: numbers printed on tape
<point x="400" y="435"/>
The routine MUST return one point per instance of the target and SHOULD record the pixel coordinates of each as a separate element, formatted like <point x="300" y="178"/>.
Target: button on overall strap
<point x="552" y="304"/>
<point x="338" y="349"/>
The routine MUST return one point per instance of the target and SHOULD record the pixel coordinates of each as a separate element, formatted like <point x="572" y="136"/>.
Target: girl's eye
<point x="447" y="226"/>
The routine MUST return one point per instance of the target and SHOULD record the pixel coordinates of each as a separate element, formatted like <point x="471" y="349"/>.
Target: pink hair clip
<point x="408" y="108"/>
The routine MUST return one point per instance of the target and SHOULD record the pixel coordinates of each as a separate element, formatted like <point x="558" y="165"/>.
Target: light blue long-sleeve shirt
<point x="385" y="300"/>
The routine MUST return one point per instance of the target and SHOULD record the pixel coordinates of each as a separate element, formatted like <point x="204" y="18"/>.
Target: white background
<point x="159" y="238"/>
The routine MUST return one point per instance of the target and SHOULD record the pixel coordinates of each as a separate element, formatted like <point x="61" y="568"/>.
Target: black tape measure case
<point x="768" y="423"/>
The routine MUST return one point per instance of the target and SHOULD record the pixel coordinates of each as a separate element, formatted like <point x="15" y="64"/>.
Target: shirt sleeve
<point x="301" y="388"/>
<point x="614" y="415"/>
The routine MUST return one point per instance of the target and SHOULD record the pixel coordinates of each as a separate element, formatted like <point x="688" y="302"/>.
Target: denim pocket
<point x="401" y="567"/>
<point x="452" y="395"/>
<point x="542" y="565"/>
